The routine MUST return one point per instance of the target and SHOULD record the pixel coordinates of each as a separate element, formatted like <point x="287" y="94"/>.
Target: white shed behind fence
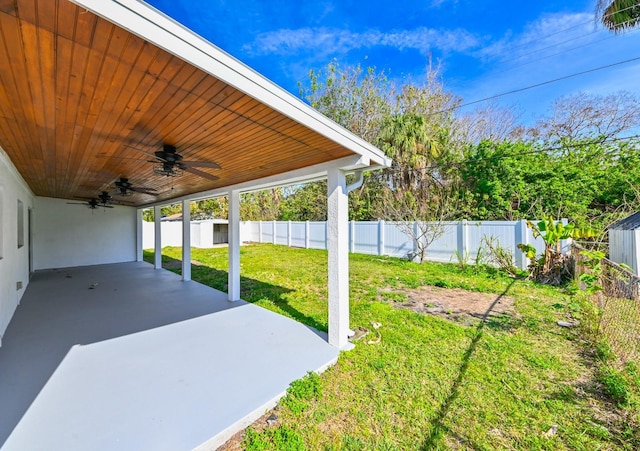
<point x="624" y="242"/>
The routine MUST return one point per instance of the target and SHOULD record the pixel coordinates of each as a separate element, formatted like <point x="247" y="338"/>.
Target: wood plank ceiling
<point x="84" y="102"/>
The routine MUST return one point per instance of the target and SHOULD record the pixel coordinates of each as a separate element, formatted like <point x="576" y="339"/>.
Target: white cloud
<point x="548" y="34"/>
<point x="331" y="40"/>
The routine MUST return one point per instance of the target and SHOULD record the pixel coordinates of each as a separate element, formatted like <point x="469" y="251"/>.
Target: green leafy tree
<point x="591" y="183"/>
<point x="306" y="202"/>
<point x="500" y="180"/>
<point x="261" y="205"/>
<point x="210" y="208"/>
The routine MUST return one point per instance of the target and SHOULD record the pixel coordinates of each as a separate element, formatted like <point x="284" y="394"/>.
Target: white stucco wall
<point x="14" y="260"/>
<point x="73" y="235"/>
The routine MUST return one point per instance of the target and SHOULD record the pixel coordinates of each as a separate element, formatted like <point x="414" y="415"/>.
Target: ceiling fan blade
<point x="77" y="203"/>
<point x="142" y="190"/>
<point x="201" y="164"/>
<point x="202" y="174"/>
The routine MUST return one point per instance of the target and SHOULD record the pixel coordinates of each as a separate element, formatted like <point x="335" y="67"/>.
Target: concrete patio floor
<point x="127" y="357"/>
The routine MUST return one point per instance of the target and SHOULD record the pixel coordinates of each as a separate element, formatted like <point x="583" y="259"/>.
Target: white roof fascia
<point x="159" y="29"/>
<point x="298" y="176"/>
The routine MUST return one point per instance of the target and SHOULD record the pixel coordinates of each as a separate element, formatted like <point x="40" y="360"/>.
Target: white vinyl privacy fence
<point x="204" y="234"/>
<point x="464" y="239"/>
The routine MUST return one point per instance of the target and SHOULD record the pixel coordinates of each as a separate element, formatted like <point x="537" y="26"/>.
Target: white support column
<point x="381" y="226"/>
<point x="139" y="235"/>
<point x="338" y="249"/>
<point x="289" y="233"/>
<point x="186" y="240"/>
<point x="273" y="227"/>
<point x="157" y="248"/>
<point x="234" y="245"/>
<point x="260" y="231"/>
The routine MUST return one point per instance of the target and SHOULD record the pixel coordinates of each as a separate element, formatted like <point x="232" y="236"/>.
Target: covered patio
<point x="126" y="357"/>
<point x="112" y="107"/>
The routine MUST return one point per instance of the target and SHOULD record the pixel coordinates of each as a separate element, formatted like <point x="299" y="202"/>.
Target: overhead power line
<point x="537" y="85"/>
<point x="581" y="24"/>
<point x="520" y="57"/>
<point x="553" y="54"/>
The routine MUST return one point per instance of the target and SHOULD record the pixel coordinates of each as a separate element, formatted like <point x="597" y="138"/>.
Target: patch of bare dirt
<point x="452" y="303"/>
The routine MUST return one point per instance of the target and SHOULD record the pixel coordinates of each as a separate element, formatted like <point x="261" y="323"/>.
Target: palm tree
<point x="412" y="144"/>
<point x="619" y="15"/>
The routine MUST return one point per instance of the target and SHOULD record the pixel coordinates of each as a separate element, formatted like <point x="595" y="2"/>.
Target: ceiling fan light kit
<point x="167" y="170"/>
<point x="169" y="163"/>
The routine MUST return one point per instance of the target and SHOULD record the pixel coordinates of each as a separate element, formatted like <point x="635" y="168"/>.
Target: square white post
<point x="186" y="240"/>
<point x="139" y="235"/>
<point x="234" y="246"/>
<point x="306" y="234"/>
<point x="157" y="248"/>
<point x="352" y="236"/>
<point x="338" y="249"/>
<point x="463" y="239"/>
<point x="522" y="237"/>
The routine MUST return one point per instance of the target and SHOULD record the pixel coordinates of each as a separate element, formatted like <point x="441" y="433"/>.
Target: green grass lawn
<point x="516" y="383"/>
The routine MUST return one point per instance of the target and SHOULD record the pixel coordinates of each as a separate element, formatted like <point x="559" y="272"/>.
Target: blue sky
<point x="482" y="47"/>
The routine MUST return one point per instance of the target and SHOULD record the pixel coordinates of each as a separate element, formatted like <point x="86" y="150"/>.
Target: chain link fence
<point x="615" y="291"/>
